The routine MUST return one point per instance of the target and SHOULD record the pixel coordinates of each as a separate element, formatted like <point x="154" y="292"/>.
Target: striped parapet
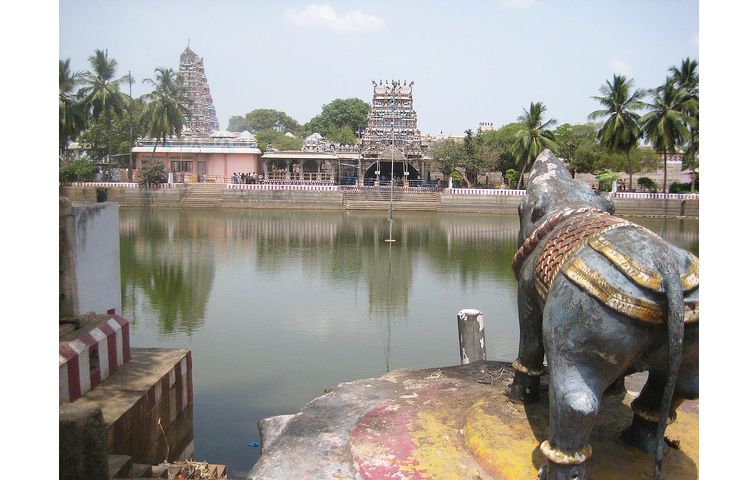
<point x="91" y="357"/>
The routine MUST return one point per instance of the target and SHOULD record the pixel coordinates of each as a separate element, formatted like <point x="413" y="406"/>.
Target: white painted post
<point x="471" y="335"/>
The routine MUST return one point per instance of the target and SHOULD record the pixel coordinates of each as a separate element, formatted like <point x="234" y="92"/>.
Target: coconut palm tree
<point x="534" y="137"/>
<point x="101" y="89"/>
<point x="71" y="114"/>
<point x="164" y="112"/>
<point x="687" y="79"/>
<point x="621" y="129"/>
<point x="666" y="123"/>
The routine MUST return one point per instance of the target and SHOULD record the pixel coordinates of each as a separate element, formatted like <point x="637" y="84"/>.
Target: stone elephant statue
<point x="601" y="297"/>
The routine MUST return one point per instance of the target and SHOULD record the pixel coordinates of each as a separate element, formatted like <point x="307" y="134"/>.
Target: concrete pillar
<point x="288" y="169"/>
<point x="360" y="175"/>
<point x="471" y="335"/>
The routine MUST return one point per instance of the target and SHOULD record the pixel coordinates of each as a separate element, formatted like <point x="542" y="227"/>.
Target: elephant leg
<point x="528" y="367"/>
<point x="643" y="431"/>
<point x="617" y="387"/>
<point x="575" y="394"/>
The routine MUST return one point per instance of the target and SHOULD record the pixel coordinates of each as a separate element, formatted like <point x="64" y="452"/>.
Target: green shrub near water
<point x="77" y="171"/>
<point x="648" y="183"/>
<point x="151" y="172"/>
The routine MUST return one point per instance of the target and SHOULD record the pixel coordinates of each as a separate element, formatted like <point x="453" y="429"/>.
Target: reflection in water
<point x="163" y="265"/>
<point x="278" y="305"/>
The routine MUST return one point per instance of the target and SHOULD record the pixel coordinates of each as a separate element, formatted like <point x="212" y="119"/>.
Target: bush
<point x="606" y="178"/>
<point x="648" y="183"/>
<point x="677" y="187"/>
<point x="151" y="172"/>
<point x="77" y="171"/>
<point x="512" y="178"/>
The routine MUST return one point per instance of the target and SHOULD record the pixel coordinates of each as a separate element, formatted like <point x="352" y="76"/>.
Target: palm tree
<point x="101" y="89"/>
<point x="164" y="112"/>
<point x="71" y="114"/>
<point x="532" y="138"/>
<point x="686" y="78"/>
<point x="666" y="124"/>
<point x="621" y="129"/>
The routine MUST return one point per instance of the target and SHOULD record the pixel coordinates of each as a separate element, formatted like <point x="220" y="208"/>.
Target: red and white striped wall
<point x="179" y="377"/>
<point x="92" y="357"/>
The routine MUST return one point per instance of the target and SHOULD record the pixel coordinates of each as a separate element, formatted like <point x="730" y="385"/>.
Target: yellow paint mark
<point x="440" y="451"/>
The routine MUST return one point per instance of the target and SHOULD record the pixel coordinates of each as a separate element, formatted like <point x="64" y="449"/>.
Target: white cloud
<point x="620" y="66"/>
<point x="324" y="16"/>
<point x="517" y="4"/>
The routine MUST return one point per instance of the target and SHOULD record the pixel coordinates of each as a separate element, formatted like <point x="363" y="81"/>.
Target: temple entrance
<point x="385" y="171"/>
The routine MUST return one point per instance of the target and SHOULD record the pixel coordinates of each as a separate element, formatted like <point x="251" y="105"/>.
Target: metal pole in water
<point x="471" y="335"/>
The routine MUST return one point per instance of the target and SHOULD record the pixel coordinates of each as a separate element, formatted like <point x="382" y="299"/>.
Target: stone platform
<point x="451" y="423"/>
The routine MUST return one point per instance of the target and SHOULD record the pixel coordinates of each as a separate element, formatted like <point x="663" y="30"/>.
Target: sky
<point x="475" y="61"/>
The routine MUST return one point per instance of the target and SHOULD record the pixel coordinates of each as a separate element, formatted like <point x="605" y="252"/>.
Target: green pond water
<point x="278" y="305"/>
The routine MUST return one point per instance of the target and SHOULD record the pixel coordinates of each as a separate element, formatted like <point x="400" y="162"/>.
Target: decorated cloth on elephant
<point x="588" y="227"/>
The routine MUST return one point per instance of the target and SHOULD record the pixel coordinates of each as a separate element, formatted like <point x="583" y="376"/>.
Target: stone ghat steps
<point x="397" y="205"/>
<point x="120" y="467"/>
<point x="203" y="195"/>
<point x="381" y="200"/>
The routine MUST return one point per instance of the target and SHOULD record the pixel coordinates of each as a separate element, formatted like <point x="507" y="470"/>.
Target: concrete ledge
<point x="154" y="386"/>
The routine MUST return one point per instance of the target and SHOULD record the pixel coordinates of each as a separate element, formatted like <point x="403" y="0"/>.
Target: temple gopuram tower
<point x="391" y="141"/>
<point x="203" y="119"/>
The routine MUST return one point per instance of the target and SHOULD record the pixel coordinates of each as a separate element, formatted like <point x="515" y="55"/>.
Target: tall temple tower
<point x="203" y="119"/>
<point x="392" y="121"/>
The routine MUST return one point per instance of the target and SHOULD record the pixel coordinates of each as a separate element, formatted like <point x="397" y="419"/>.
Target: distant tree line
<point x="670" y="124"/>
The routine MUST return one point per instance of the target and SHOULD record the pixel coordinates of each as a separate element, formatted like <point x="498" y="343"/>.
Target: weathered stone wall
<point x="328" y="200"/>
<point x="479" y="203"/>
<point x="82" y="453"/>
<point x="657" y="208"/>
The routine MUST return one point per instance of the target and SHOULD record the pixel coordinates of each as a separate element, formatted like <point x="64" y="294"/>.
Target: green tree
<point x="476" y="158"/>
<point x="573" y="141"/>
<point x="446" y="154"/>
<point x="343" y="136"/>
<point x="534" y="137"/>
<point x="71" y="109"/>
<point x="666" y="123"/>
<point x="263" y="119"/>
<point x="164" y="111"/>
<point x="501" y="141"/>
<point x="151" y="172"/>
<point x="621" y="130"/>
<point x="269" y="137"/>
<point x="349" y="112"/>
<point x="101" y="90"/>
<point x="81" y="170"/>
<point x="120" y="132"/>
<point x="687" y="79"/>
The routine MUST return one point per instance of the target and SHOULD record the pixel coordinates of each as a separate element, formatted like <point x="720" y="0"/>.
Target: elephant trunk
<point x="675" y="326"/>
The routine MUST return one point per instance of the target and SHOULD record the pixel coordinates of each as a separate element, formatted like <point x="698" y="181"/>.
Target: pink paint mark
<point x="389" y="429"/>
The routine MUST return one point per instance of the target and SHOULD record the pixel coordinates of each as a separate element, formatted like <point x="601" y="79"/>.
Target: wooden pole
<point x="471" y="335"/>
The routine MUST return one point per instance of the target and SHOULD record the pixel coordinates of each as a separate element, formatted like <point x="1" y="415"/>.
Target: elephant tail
<point x="675" y="326"/>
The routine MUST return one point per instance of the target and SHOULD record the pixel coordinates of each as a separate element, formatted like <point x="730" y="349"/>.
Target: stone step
<point x="119" y="466"/>
<point x="139" y="470"/>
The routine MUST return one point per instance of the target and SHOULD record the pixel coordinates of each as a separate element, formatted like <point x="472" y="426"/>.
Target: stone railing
<point x="486" y="191"/>
<point x="282" y="186"/>
<point x="655" y="196"/>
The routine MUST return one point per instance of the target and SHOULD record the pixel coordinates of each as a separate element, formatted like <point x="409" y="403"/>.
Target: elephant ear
<point x="540" y="206"/>
<point x="604" y="203"/>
